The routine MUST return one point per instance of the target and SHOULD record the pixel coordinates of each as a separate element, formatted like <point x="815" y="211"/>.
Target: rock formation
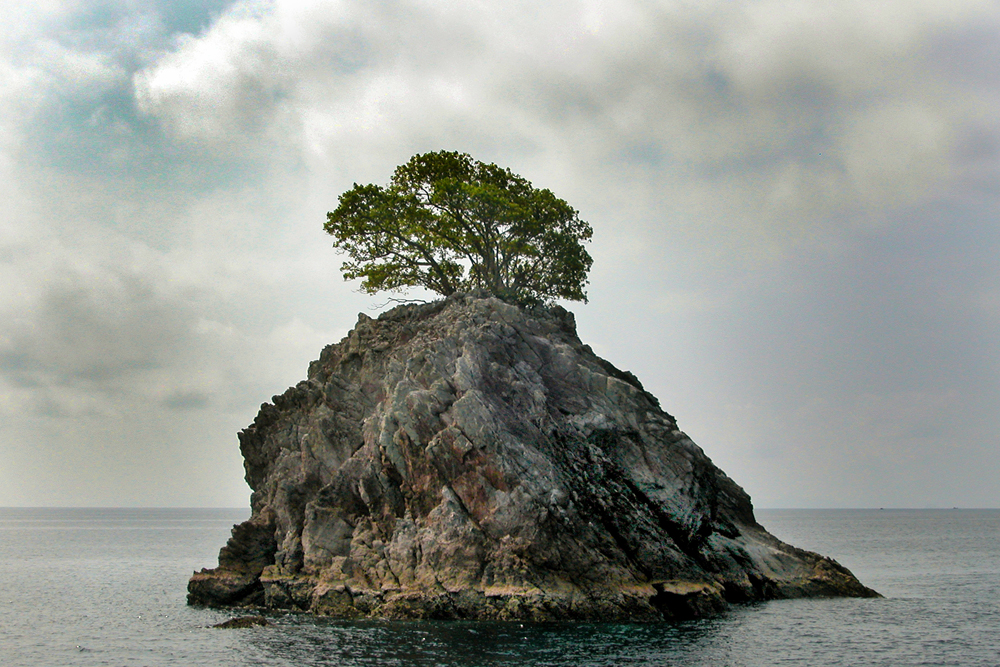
<point x="471" y="459"/>
<point x="243" y="622"/>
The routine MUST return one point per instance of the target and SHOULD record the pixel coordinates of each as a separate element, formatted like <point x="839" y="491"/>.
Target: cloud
<point x="188" y="400"/>
<point x="222" y="83"/>
<point x="787" y="113"/>
<point x="92" y="332"/>
<point x="792" y="203"/>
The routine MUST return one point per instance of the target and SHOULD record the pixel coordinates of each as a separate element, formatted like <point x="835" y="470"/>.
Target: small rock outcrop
<point x="243" y="622"/>
<point x="472" y="459"/>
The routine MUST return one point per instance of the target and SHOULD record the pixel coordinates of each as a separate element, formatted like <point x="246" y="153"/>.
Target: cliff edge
<point x="471" y="459"/>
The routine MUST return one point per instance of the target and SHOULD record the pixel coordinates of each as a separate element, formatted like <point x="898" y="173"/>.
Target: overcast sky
<point x="795" y="210"/>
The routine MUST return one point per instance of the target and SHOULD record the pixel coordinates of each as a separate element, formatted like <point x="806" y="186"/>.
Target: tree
<point x="450" y="223"/>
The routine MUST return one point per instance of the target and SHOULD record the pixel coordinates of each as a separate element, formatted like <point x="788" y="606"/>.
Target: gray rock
<point x="471" y="459"/>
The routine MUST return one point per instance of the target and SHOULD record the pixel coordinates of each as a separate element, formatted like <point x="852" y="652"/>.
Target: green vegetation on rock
<point x="450" y="223"/>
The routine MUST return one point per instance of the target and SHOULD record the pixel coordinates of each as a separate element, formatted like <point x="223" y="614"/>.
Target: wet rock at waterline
<point x="472" y="459"/>
<point x="242" y="622"/>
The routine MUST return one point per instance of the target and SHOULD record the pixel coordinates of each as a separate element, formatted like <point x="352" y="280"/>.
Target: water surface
<point x="107" y="587"/>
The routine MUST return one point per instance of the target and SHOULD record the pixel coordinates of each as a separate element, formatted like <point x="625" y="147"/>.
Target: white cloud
<point x="786" y="113"/>
<point x="79" y="69"/>
<point x="222" y="83"/>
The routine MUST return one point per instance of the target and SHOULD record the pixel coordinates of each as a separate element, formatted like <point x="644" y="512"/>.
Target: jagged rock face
<point x="470" y="459"/>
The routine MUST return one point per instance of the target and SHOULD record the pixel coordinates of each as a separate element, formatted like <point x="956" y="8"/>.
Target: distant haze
<point x="795" y="212"/>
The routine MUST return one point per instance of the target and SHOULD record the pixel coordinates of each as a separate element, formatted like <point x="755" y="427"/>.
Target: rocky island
<point x="473" y="459"/>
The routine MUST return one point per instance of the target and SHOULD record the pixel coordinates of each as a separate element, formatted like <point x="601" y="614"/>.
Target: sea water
<point x="107" y="587"/>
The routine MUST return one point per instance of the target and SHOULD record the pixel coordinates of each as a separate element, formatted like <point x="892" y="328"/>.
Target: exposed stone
<point x="243" y="622"/>
<point x="471" y="459"/>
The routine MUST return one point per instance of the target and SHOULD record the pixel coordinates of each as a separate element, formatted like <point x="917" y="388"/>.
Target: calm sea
<point x="107" y="587"/>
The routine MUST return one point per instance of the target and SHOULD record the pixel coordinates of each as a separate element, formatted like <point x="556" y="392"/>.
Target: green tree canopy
<point x="450" y="223"/>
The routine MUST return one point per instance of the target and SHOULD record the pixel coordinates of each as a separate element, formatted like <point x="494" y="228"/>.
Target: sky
<point x="795" y="211"/>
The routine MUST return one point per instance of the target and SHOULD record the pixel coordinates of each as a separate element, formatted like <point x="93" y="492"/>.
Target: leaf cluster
<point x="450" y="223"/>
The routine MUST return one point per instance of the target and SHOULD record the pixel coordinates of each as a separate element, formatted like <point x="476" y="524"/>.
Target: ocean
<point x="107" y="587"/>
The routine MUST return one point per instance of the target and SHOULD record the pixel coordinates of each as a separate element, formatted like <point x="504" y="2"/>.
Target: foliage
<point x="450" y="223"/>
